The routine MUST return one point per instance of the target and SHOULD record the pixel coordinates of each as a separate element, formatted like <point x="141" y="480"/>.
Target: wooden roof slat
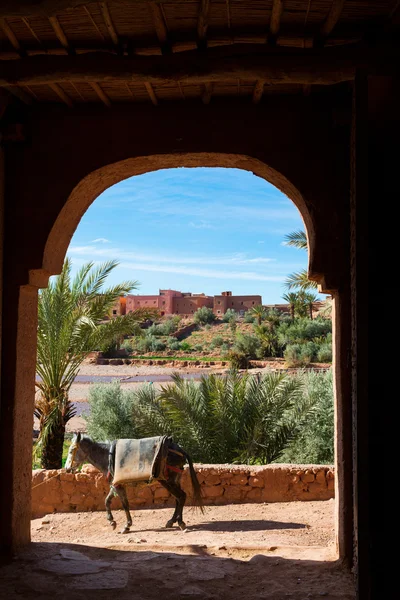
<point x="32" y="31"/>
<point x="202" y="24"/>
<point x="327" y="26"/>
<point x="151" y="93"/>
<point x="58" y="30"/>
<point x="93" y="22"/>
<point x="161" y="27"/>
<point x="109" y="23"/>
<point x="61" y="94"/>
<point x="11" y="37"/>
<point x="101" y="94"/>
<point x="275" y="22"/>
<point x="207" y="93"/>
<point x="19" y="93"/>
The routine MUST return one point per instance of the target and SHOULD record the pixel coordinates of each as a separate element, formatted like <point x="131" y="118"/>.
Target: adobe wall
<point x="58" y="491"/>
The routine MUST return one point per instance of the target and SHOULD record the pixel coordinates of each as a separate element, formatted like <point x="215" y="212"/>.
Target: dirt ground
<point x="252" y="551"/>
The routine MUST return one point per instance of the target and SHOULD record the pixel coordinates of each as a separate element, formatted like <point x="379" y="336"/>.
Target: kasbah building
<point x="173" y="302"/>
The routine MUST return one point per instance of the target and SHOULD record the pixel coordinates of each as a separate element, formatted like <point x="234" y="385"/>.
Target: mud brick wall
<point x="58" y="491"/>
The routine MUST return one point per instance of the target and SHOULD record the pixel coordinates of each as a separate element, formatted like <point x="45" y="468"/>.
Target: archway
<point x="70" y="189"/>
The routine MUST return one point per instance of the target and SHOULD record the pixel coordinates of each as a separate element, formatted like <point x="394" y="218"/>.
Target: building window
<point x="218" y="311"/>
<point x="163" y="301"/>
<point x="232" y="303"/>
<point x="252" y="302"/>
<point x="241" y="303"/>
<point x="218" y="302"/>
<point x="114" y="312"/>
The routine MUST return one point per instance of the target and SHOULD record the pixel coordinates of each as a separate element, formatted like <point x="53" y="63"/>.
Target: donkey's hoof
<point x="113" y="524"/>
<point x="125" y="530"/>
<point x="169" y="524"/>
<point x="182" y="525"/>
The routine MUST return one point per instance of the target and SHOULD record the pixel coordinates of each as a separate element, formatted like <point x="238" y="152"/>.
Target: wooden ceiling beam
<point x="151" y="93"/>
<point x="109" y="23"/>
<point x="258" y="91"/>
<point x="101" y="94"/>
<point x="270" y="65"/>
<point x="32" y="31"/>
<point x="275" y="22"/>
<point x="12" y="38"/>
<point x="160" y="25"/>
<point x="19" y="93"/>
<point x="61" y="94"/>
<point x="58" y="30"/>
<point x="202" y="24"/>
<point x="327" y="26"/>
<point x="207" y="93"/>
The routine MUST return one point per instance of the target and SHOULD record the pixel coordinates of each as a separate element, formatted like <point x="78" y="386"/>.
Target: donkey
<point x="99" y="454"/>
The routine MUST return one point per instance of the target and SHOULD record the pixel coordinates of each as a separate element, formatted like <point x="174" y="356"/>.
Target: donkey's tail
<point x="197" y="496"/>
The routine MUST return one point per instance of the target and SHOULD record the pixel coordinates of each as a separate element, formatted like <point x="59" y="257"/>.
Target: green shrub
<point x="249" y="318"/>
<point x="303" y="329"/>
<point x="300" y="355"/>
<point x="248" y="345"/>
<point x="128" y="345"/>
<point x="198" y="348"/>
<point x="175" y="345"/>
<point x="217" y="341"/>
<point x="230" y="313"/>
<point x="237" y="360"/>
<point x="185" y="347"/>
<point x="315" y="443"/>
<point x="157" y="345"/>
<point x="225" y="348"/>
<point x="324" y="353"/>
<point x="110" y="415"/>
<point x="203" y="316"/>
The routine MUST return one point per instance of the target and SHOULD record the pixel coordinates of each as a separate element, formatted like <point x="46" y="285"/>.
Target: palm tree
<point x="259" y="312"/>
<point x="308" y="299"/>
<point x="235" y="418"/>
<point x="299" y="280"/>
<point x="292" y="300"/>
<point x="71" y="324"/>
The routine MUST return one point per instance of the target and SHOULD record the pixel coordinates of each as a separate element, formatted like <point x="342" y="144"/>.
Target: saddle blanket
<point x="139" y="460"/>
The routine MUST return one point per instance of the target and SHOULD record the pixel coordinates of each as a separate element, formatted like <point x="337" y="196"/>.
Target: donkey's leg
<point x="108" y="507"/>
<point x="175" y="489"/>
<point x="121" y="491"/>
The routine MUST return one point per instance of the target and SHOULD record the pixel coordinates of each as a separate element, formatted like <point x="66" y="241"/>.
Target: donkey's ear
<point x="78" y="436"/>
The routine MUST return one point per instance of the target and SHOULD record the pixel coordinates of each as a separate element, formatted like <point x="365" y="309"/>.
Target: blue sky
<point x="198" y="230"/>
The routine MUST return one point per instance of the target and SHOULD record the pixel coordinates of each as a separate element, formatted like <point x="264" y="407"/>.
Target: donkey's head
<point x="76" y="454"/>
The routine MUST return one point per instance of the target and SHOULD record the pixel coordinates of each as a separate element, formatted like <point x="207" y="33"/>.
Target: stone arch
<point x="96" y="182"/>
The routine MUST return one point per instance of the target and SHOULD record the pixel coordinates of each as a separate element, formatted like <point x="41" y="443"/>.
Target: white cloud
<point x="100" y="240"/>
<point x="201" y="225"/>
<point x="238" y="259"/>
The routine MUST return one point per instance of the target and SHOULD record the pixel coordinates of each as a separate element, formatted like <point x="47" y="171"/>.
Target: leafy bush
<point x="235" y="418"/>
<point x="324" y="354"/>
<point x="303" y="329"/>
<point x="217" y="341"/>
<point x="230" y="313"/>
<point x="128" y="345"/>
<point x="237" y="360"/>
<point x="175" y="345"/>
<point x="198" y="348"/>
<point x="225" y="348"/>
<point x="315" y="443"/>
<point x="167" y="327"/>
<point x="185" y="347"/>
<point x="203" y="316"/>
<point x="157" y="346"/>
<point x="300" y="355"/>
<point x="248" y="345"/>
<point x="249" y="318"/>
<point x="110" y="415"/>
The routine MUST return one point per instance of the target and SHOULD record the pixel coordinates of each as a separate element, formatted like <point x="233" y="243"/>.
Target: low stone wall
<point x="58" y="491"/>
